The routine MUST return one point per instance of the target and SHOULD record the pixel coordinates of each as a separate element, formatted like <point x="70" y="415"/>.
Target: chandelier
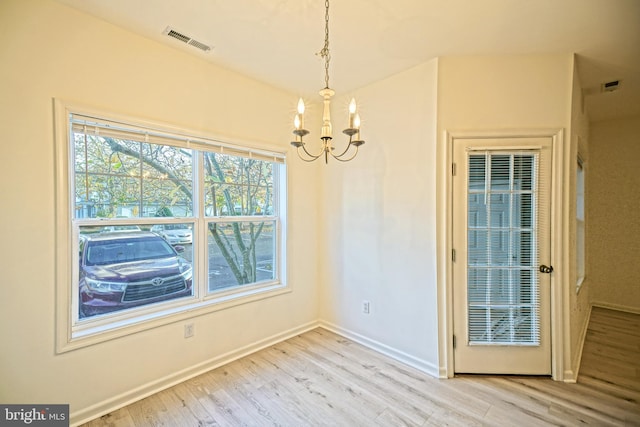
<point x="326" y="133"/>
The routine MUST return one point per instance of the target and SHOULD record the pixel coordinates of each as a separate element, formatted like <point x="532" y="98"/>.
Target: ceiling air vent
<point x="186" y="39"/>
<point x="610" y="86"/>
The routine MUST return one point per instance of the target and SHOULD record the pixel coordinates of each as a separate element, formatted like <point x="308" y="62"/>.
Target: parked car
<point x="176" y="234"/>
<point x="119" y="228"/>
<point x="129" y="269"/>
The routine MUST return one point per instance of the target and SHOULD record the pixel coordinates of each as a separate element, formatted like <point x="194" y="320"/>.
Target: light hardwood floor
<point x="322" y="379"/>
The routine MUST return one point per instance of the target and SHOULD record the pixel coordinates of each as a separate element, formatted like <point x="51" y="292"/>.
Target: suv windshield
<point x="117" y="251"/>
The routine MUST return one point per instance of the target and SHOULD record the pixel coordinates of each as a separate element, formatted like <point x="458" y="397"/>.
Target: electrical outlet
<point x="189" y="330"/>
<point x="366" y="307"/>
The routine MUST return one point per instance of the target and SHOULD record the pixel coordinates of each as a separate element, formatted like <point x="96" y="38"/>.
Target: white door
<point x="501" y="240"/>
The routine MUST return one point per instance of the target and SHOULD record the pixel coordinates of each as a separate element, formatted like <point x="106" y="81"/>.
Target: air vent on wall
<point x="178" y="35"/>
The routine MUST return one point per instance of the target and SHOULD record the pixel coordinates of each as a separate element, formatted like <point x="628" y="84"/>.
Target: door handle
<point x="545" y="269"/>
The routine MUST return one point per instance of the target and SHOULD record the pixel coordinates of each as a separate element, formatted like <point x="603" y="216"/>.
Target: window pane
<point x="477" y="210"/>
<point x="477" y="179"/>
<point x="477" y="284"/>
<point x="120" y="178"/>
<point x="477" y="252"/>
<point x="500" y="172"/>
<point x="501" y="250"/>
<point x="522" y="210"/>
<point x="241" y="253"/>
<point x="499" y="210"/>
<point x="523" y="173"/>
<point x="167" y="179"/>
<point x="122" y="266"/>
<point x="237" y="186"/>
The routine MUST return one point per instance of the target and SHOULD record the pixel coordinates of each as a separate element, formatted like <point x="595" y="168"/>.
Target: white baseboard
<point x="145" y="390"/>
<point x="628" y="309"/>
<point x="444" y="374"/>
<point x="112" y="404"/>
<point x="583" y="337"/>
<point x="571" y="375"/>
<point x="422" y="365"/>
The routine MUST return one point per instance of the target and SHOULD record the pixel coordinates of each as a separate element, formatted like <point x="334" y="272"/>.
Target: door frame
<point x="559" y="239"/>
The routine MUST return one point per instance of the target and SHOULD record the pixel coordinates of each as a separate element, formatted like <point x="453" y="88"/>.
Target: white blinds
<point x="502" y="248"/>
<point x="131" y="132"/>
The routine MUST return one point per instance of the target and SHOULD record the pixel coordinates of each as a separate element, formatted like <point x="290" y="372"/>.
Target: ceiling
<point x="276" y="41"/>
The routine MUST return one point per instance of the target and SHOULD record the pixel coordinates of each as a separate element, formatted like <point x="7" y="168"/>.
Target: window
<point x="580" y="226"/>
<point x="159" y="222"/>
<point x="502" y="249"/>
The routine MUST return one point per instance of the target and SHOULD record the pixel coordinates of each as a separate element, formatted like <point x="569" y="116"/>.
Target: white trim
<point x="63" y="259"/>
<point x="560" y="322"/>
<point x="156" y="386"/>
<point x="71" y="333"/>
<point x="618" y="307"/>
<point x="399" y="355"/>
<point x="571" y="375"/>
<point x="117" y="329"/>
<point x="559" y="313"/>
<point x="444" y="200"/>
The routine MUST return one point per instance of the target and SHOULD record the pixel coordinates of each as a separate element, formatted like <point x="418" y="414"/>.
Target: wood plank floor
<point x="322" y="379"/>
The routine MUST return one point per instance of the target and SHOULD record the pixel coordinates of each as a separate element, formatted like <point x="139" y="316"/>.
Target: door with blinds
<point x="501" y="242"/>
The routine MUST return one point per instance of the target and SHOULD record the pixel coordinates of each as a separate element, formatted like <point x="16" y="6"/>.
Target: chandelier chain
<point x="324" y="53"/>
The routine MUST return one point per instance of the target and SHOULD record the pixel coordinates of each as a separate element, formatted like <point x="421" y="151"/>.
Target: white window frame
<point x="72" y="333"/>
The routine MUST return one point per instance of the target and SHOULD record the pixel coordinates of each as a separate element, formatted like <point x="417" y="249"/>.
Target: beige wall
<point x="512" y="94"/>
<point x="380" y="221"/>
<point x="504" y="92"/>
<point x="613" y="213"/>
<point x="55" y="51"/>
<point x="381" y="210"/>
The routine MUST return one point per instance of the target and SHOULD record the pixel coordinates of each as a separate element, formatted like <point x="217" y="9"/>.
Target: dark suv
<point x="128" y="269"/>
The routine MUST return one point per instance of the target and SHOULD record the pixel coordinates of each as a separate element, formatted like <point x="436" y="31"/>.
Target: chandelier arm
<point x="311" y="156"/>
<point x="338" y="156"/>
<point x="340" y="159"/>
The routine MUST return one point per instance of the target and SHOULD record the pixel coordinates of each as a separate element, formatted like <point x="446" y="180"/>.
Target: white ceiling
<point x="276" y="41"/>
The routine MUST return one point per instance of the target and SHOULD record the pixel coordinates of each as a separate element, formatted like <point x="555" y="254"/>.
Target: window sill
<point x="84" y="335"/>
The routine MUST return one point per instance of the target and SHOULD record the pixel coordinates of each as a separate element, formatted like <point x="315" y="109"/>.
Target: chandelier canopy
<point x="326" y="133"/>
